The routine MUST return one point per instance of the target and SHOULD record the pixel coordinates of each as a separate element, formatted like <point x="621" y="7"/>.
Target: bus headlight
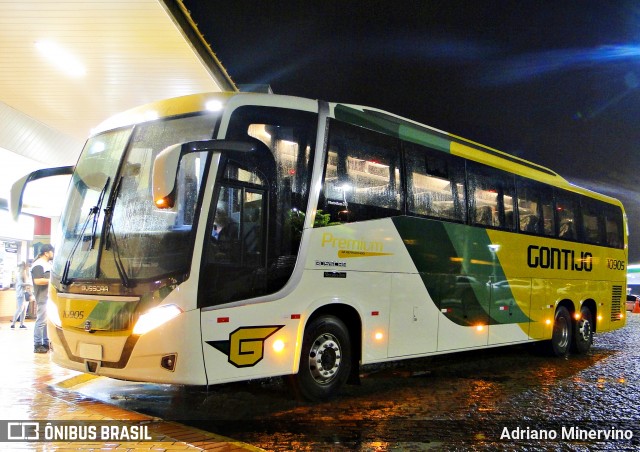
<point x="52" y="313"/>
<point x="156" y="317"/>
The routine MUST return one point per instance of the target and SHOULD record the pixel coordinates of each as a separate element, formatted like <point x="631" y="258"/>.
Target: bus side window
<point x="567" y="208"/>
<point x="362" y="175"/>
<point x="491" y="196"/>
<point x="535" y="207"/>
<point x="435" y="183"/>
<point x="613" y="227"/>
<point x="592" y="221"/>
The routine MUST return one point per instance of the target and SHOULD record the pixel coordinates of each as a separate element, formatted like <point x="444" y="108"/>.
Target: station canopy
<point x="67" y="66"/>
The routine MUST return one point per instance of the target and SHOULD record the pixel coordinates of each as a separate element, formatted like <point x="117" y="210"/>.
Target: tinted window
<point x="613" y="226"/>
<point x="592" y="221"/>
<point x="491" y="196"/>
<point x="435" y="183"/>
<point x="567" y="210"/>
<point x="535" y="207"/>
<point x="362" y="175"/>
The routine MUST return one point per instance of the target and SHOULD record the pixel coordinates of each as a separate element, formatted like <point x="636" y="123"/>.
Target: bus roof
<point x="174" y="106"/>
<point x="368" y="117"/>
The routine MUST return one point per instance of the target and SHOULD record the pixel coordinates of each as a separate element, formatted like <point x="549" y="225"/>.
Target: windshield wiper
<point x="96" y="211"/>
<point x="126" y="282"/>
<point x="93" y="213"/>
<point x="110" y="232"/>
<point x="108" y="213"/>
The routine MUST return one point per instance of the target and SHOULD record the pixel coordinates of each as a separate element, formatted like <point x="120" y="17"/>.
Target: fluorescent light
<point x="61" y="58"/>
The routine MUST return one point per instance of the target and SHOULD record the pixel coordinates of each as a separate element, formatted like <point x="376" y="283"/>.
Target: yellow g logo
<point x="245" y="347"/>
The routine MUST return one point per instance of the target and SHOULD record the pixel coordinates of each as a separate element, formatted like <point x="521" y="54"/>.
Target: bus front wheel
<point x="325" y="359"/>
<point x="561" y="336"/>
<point x="583" y="336"/>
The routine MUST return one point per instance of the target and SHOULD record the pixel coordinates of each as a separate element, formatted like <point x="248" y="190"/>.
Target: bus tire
<point x="561" y="337"/>
<point x="325" y="359"/>
<point x="583" y="334"/>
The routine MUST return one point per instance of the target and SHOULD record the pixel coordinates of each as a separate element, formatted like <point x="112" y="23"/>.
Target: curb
<point x="187" y="435"/>
<point x="74" y="381"/>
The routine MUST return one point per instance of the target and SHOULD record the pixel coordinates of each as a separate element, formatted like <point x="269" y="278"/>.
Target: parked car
<point x="633" y="302"/>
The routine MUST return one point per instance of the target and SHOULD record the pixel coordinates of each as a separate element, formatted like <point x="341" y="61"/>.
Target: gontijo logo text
<point x="559" y="259"/>
<point x="348" y="247"/>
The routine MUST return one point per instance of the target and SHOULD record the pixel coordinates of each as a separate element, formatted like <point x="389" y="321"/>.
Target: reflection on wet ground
<point x="455" y="402"/>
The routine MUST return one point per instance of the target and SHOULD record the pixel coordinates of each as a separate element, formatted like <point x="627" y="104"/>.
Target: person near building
<point x="23" y="295"/>
<point x="40" y="273"/>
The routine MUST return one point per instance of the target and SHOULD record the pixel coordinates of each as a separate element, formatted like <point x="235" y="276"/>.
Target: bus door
<point x="234" y="266"/>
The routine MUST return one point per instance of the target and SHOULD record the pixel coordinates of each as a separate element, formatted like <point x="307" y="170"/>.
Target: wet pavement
<point x="32" y="389"/>
<point x="507" y="398"/>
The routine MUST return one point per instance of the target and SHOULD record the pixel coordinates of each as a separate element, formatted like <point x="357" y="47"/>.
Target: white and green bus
<point x="223" y="237"/>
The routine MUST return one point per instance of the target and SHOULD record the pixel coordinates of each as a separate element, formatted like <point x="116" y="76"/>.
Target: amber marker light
<point x="278" y="345"/>
<point x="164" y="202"/>
<point x="378" y="336"/>
<point x="599" y="318"/>
<point x="577" y="316"/>
<point x="479" y="327"/>
<point x="548" y="321"/>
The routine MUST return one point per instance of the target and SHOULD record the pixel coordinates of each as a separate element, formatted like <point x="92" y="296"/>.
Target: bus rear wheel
<point x="583" y="335"/>
<point x="325" y="359"/>
<point x="561" y="336"/>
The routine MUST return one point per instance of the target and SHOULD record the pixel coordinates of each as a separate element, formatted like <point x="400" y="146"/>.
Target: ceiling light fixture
<point x="61" y="58"/>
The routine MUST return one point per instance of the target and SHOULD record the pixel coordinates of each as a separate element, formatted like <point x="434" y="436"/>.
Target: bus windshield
<point x="111" y="229"/>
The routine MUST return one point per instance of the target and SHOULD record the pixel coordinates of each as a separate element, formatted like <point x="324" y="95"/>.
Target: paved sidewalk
<point x="33" y="388"/>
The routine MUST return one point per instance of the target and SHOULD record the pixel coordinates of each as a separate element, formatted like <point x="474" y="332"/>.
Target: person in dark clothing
<point x="40" y="274"/>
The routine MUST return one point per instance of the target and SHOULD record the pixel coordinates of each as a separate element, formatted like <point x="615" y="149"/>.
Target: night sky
<point x="554" y="82"/>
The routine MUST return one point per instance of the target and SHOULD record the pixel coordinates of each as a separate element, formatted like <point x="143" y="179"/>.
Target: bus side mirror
<point x="167" y="162"/>
<point x="17" y="189"/>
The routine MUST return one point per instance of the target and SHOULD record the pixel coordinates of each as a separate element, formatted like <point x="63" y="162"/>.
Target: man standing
<point x="40" y="273"/>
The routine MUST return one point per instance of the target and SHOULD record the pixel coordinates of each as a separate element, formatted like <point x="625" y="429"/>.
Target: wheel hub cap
<point x="562" y="331"/>
<point x="585" y="330"/>
<point x="324" y="358"/>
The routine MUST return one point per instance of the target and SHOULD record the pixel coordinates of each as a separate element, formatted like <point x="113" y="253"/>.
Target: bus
<point x="221" y="237"/>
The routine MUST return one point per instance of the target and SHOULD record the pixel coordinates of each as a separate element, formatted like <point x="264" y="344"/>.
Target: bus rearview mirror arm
<point x="17" y="189"/>
<point x="167" y="162"/>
